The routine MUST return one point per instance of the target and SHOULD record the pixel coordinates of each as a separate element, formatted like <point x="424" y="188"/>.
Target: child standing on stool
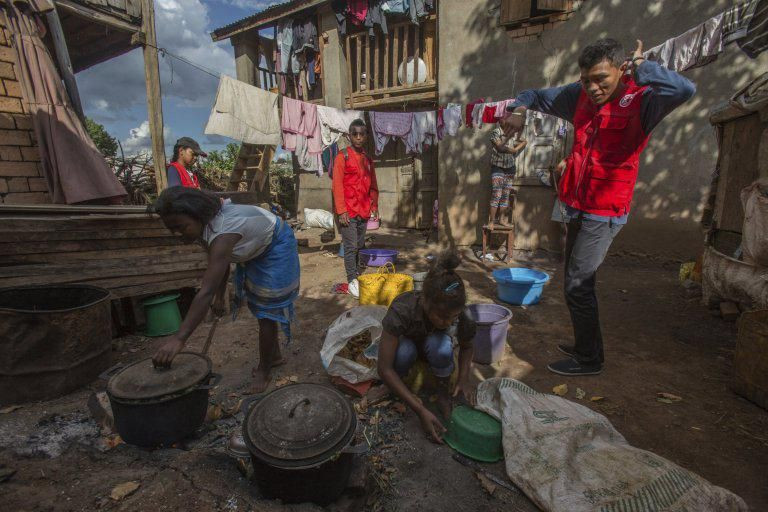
<point x="422" y="325"/>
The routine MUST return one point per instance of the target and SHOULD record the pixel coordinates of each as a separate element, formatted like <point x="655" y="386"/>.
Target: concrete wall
<point x="479" y="59"/>
<point x="315" y="191"/>
<point x="21" y="180"/>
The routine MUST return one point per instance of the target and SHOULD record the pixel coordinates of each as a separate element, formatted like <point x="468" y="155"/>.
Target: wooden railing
<point x="399" y="63"/>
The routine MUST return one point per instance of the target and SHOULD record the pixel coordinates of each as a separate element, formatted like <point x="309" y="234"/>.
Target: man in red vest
<point x="355" y="197"/>
<point x="185" y="153"/>
<point x="613" y="108"/>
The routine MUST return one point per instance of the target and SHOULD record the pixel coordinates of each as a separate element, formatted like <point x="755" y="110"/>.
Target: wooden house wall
<point x="128" y="254"/>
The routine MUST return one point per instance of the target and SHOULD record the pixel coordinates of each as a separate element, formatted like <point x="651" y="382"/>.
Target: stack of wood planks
<point x="130" y="254"/>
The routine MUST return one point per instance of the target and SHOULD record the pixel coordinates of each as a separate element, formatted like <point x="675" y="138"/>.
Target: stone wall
<point x="21" y="177"/>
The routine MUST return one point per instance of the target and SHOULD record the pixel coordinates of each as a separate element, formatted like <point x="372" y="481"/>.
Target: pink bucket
<point x="373" y="224"/>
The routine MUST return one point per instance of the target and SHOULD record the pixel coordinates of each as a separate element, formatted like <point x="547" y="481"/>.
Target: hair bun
<point x="448" y="260"/>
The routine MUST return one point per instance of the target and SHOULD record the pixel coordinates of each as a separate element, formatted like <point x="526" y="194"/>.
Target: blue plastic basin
<point x="520" y="286"/>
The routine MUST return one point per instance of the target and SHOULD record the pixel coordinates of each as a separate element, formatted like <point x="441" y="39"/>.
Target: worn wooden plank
<point x="152" y="288"/>
<point x="130" y="251"/>
<point x="122" y="282"/>
<point x="396" y="100"/>
<point x="65" y="64"/>
<point x="154" y="98"/>
<point x="358" y="59"/>
<point x="347" y="45"/>
<point x="429" y="49"/>
<point x="98" y="17"/>
<point x="395" y="53"/>
<point x="84" y="235"/>
<point x="368" y="77"/>
<point x="387" y="37"/>
<point x="376" y="64"/>
<point x="18" y="275"/>
<point x="37" y="224"/>
<point x="416" y="53"/>
<point x="63" y="247"/>
<point x="406" y="52"/>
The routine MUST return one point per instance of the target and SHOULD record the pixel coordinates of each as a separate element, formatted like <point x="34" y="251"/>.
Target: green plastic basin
<point x="475" y="434"/>
<point x="162" y="313"/>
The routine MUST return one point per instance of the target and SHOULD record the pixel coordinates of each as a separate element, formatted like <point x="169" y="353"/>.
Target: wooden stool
<point x="488" y="232"/>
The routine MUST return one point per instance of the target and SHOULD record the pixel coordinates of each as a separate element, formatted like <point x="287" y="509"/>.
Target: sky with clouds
<point x="114" y="92"/>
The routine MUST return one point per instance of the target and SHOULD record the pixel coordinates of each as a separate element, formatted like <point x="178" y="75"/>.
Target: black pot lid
<point x="142" y="381"/>
<point x="299" y="425"/>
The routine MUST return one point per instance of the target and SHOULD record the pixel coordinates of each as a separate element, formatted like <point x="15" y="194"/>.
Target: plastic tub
<point x="377" y="257"/>
<point x="163" y="316"/>
<point x="491" y="335"/>
<point x="520" y="286"/>
<point x="418" y="281"/>
<point x="475" y="434"/>
<point x="373" y="224"/>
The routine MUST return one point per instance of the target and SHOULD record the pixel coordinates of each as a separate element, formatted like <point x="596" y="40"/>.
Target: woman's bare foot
<point x="261" y="379"/>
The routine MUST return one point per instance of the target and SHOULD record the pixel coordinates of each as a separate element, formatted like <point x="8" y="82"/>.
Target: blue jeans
<point x="438" y="349"/>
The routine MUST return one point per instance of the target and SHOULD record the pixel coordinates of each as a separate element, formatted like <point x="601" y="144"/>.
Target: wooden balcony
<point x="393" y="67"/>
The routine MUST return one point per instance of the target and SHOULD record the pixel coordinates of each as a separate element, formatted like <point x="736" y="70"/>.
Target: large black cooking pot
<point x="300" y="439"/>
<point x="156" y="407"/>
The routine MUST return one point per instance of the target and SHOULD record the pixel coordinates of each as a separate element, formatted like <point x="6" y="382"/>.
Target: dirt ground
<point x="657" y="340"/>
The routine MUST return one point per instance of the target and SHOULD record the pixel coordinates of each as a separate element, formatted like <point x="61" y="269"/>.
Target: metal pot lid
<point x="142" y="381"/>
<point x="299" y="425"/>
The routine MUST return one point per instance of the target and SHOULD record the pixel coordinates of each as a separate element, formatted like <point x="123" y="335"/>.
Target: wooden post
<point x="65" y="64"/>
<point x="247" y="58"/>
<point x="154" y="95"/>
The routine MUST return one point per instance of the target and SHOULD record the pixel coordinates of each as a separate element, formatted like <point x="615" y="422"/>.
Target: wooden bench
<point x="489" y="231"/>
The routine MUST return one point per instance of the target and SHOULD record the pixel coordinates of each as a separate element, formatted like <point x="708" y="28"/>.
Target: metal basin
<point x="53" y="340"/>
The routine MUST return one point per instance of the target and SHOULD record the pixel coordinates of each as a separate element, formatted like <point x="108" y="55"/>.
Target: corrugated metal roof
<point x="265" y="17"/>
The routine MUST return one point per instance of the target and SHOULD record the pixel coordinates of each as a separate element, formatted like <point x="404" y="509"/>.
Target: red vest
<point x="602" y="167"/>
<point x="187" y="179"/>
<point x="357" y="183"/>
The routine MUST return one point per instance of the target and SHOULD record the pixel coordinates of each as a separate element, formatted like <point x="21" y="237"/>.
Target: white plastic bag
<point x="318" y="218"/>
<point x="568" y="458"/>
<point x="346" y="326"/>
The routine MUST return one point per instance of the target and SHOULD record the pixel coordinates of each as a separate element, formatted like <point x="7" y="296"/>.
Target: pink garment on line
<point x="358" y="9"/>
<point x="501" y="108"/>
<point x="300" y="120"/>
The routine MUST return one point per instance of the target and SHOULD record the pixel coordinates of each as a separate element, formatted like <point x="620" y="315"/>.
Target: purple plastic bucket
<point x="491" y="336"/>
<point x="377" y="257"/>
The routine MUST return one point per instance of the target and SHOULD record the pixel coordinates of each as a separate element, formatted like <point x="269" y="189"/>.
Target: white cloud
<point x="183" y="29"/>
<point x="139" y="139"/>
<point x="254" y="5"/>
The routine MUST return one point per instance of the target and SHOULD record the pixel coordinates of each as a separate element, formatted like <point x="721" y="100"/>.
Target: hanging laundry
<point x="340" y="10"/>
<point x="334" y="122"/>
<point x="357" y="10"/>
<point x="469" y="108"/>
<point x="311" y="57"/>
<point x="440" y="123"/>
<point x="300" y="121"/>
<point x="244" y="113"/>
<point x="416" y="10"/>
<point x="386" y="125"/>
<point x="696" y="47"/>
<point x="285" y="43"/>
<point x="477" y="115"/>
<point x="755" y="41"/>
<point x="501" y="108"/>
<point x="736" y="20"/>
<point x="308" y="161"/>
<point x="329" y="156"/>
<point x="452" y="118"/>
<point x="489" y="113"/>
<point x="423" y="132"/>
<point x="395" y="6"/>
<point x="304" y="35"/>
<point x="375" y="16"/>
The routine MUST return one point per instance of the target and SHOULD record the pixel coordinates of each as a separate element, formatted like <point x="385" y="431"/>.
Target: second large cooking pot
<point x="300" y="439"/>
<point x="156" y="407"/>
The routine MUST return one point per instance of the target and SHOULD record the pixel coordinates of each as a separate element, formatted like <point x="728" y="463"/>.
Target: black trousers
<point x="353" y="239"/>
<point x="586" y="246"/>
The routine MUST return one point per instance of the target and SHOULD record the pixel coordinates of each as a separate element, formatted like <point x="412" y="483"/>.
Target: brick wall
<point x="21" y="176"/>
<point x="531" y="30"/>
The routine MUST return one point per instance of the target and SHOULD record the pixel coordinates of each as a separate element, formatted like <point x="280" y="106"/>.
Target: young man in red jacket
<point x="613" y="113"/>
<point x="356" y="198"/>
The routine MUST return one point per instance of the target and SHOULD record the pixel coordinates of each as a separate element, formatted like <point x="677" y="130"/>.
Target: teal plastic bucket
<point x="162" y="314"/>
<point x="520" y="286"/>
